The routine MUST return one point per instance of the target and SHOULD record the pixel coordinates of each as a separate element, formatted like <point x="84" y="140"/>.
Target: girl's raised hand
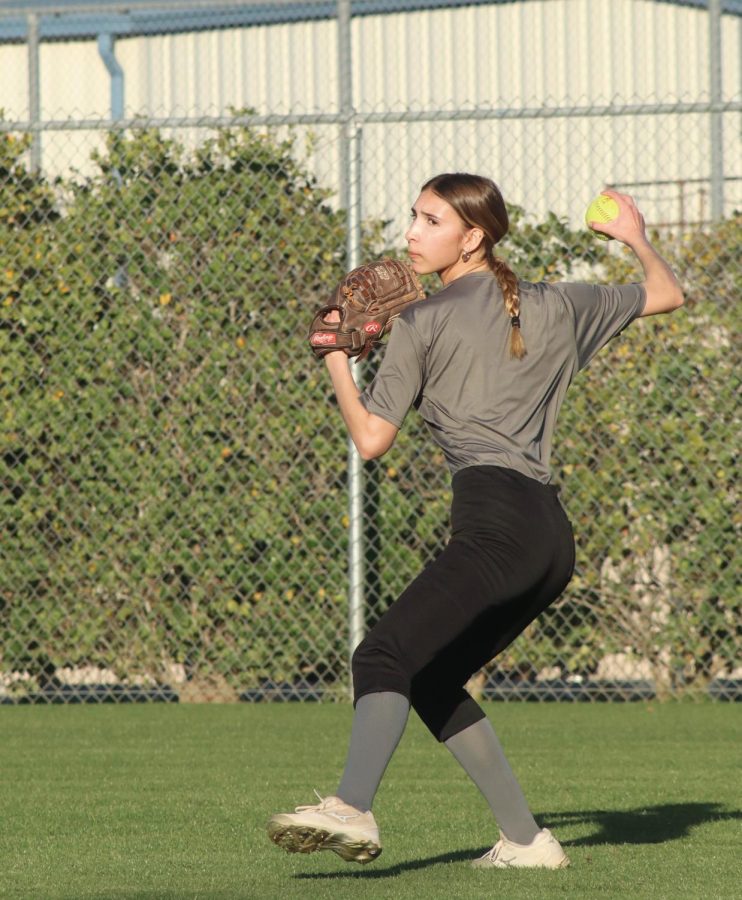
<point x="628" y="226"/>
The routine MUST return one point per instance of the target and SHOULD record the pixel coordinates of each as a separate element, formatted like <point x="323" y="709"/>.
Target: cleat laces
<point x="325" y="806"/>
<point x="495" y="854"/>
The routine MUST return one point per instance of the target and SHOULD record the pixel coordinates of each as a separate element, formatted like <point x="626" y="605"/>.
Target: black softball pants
<point x="511" y="554"/>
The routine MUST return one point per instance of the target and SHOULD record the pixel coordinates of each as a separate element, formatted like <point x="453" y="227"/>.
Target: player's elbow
<point x="674" y="299"/>
<point x="666" y="300"/>
<point x="376" y="439"/>
<point x="371" y="448"/>
<point x="368" y="453"/>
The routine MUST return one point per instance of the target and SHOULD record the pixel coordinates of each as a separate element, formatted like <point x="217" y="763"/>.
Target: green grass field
<point x="171" y="801"/>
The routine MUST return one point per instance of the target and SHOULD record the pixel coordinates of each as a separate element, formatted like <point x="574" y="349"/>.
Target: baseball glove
<point x="366" y="301"/>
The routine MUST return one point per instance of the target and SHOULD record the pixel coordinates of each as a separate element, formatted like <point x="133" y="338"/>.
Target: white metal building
<point x="553" y="98"/>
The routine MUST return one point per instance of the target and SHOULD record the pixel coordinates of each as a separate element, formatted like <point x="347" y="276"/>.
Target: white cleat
<point x="330" y="825"/>
<point x="543" y="852"/>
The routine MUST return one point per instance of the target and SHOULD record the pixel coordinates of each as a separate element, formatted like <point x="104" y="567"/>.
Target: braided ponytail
<point x="508" y="282"/>
<point x="479" y="203"/>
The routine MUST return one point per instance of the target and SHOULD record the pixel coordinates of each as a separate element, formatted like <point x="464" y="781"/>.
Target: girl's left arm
<point x="371" y="434"/>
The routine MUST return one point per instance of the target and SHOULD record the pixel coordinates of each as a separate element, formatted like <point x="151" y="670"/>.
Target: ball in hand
<point x="602" y="209"/>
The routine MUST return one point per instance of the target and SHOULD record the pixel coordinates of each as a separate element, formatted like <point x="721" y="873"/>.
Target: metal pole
<point x="106" y="49"/>
<point x="356" y="536"/>
<point x="345" y="95"/>
<point x="34" y="90"/>
<point x="717" y="124"/>
<point x="350" y="199"/>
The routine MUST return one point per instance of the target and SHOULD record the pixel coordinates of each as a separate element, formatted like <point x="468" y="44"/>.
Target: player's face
<point x="436" y="236"/>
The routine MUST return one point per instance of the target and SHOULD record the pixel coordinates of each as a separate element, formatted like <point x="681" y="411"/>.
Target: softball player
<point x="487" y="362"/>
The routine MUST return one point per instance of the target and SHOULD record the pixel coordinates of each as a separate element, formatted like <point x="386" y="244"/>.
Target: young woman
<point x="487" y="362"/>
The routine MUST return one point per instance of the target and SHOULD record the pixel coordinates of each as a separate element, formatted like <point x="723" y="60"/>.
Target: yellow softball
<point x="602" y="209"/>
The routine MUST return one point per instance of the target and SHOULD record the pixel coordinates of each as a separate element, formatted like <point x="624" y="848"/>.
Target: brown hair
<point x="479" y="204"/>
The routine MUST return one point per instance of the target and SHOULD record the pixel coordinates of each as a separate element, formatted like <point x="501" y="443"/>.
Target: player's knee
<point x="357" y="660"/>
<point x="375" y="668"/>
<point x="366" y="659"/>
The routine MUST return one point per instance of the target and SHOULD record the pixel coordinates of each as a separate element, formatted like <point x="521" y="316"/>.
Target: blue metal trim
<point x="173" y="20"/>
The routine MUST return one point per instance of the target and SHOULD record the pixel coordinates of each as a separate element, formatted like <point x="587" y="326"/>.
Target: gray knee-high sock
<point x="378" y="723"/>
<point x="478" y="750"/>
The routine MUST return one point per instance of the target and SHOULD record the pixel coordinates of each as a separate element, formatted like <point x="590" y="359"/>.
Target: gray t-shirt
<point x="449" y="357"/>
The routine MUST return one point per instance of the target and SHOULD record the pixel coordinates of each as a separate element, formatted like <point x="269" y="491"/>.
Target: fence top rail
<point x="371" y="118"/>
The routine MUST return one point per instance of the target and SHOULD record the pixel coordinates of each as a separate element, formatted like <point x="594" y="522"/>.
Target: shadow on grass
<point x="391" y="871"/>
<point x="647" y="825"/>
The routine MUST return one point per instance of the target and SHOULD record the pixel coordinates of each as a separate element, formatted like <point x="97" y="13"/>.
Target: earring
<point x="466" y="256"/>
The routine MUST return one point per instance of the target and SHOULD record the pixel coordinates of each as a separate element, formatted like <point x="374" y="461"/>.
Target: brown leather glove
<point x="367" y="301"/>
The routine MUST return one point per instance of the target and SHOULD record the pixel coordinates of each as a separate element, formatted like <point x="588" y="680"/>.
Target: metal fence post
<point x="717" y="124"/>
<point x="350" y="197"/>
<point x="34" y="90"/>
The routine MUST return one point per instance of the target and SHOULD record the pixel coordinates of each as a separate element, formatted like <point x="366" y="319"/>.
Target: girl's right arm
<point x="663" y="290"/>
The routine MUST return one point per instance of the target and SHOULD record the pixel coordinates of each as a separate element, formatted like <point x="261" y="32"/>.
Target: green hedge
<point x="173" y="460"/>
<point x="153" y="379"/>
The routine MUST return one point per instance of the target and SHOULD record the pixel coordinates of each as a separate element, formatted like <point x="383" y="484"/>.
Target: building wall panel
<point x="504" y="56"/>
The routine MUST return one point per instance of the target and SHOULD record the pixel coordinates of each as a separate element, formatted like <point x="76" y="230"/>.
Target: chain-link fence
<point x="181" y="184"/>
